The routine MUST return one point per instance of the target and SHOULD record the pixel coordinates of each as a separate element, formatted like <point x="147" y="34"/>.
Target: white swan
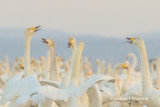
<point x="53" y="65"/>
<point x="148" y="90"/>
<point x="130" y="81"/>
<point x="110" y="91"/>
<point x="19" y="91"/>
<point x="66" y="78"/>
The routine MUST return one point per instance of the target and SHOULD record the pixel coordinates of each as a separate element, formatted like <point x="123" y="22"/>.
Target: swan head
<point x="48" y="42"/>
<point x="71" y="41"/>
<point x="32" y="30"/>
<point x="124" y="65"/>
<point x="136" y="41"/>
<point x="20" y="66"/>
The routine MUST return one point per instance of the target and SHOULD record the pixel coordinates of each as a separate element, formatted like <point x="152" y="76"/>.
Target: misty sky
<point x="98" y="17"/>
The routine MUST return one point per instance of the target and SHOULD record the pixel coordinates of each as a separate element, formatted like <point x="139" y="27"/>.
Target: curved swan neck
<point x="27" y="68"/>
<point x="76" y="65"/>
<point x="146" y="79"/>
<point x="53" y="65"/>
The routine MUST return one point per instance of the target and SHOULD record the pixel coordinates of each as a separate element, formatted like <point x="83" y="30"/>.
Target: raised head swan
<point x="20" y="89"/>
<point x="53" y="65"/>
<point x="148" y="90"/>
<point x="66" y="78"/>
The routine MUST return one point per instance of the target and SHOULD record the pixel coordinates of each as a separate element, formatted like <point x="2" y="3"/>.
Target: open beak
<point x="37" y="28"/>
<point x="131" y="40"/>
<point x="69" y="44"/>
<point x="44" y="41"/>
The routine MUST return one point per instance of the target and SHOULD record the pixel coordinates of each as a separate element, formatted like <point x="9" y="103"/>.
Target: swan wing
<point x="50" y="83"/>
<point x="10" y="87"/>
<point x="35" y="97"/>
<point x="93" y="80"/>
<point x="16" y="78"/>
<point x="20" y="88"/>
<point x="54" y="93"/>
<point x="95" y="96"/>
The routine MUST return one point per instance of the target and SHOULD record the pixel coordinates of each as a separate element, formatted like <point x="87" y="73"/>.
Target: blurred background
<point x="102" y="24"/>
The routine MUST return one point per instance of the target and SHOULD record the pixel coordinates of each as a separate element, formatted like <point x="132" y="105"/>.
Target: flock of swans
<point x="52" y="82"/>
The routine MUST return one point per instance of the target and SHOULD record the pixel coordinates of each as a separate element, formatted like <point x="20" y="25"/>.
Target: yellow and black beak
<point x="35" y="29"/>
<point x="131" y="40"/>
<point x="44" y="41"/>
<point x="70" y="42"/>
<point x="124" y="66"/>
<point x="21" y="66"/>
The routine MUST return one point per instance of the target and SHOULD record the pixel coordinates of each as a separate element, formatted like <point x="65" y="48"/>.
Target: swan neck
<point x="146" y="80"/>
<point x="47" y="65"/>
<point x="76" y="67"/>
<point x="27" y="68"/>
<point x="134" y="64"/>
<point x="67" y="76"/>
<point x="53" y="65"/>
<point x="74" y="48"/>
<point x="116" y="70"/>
